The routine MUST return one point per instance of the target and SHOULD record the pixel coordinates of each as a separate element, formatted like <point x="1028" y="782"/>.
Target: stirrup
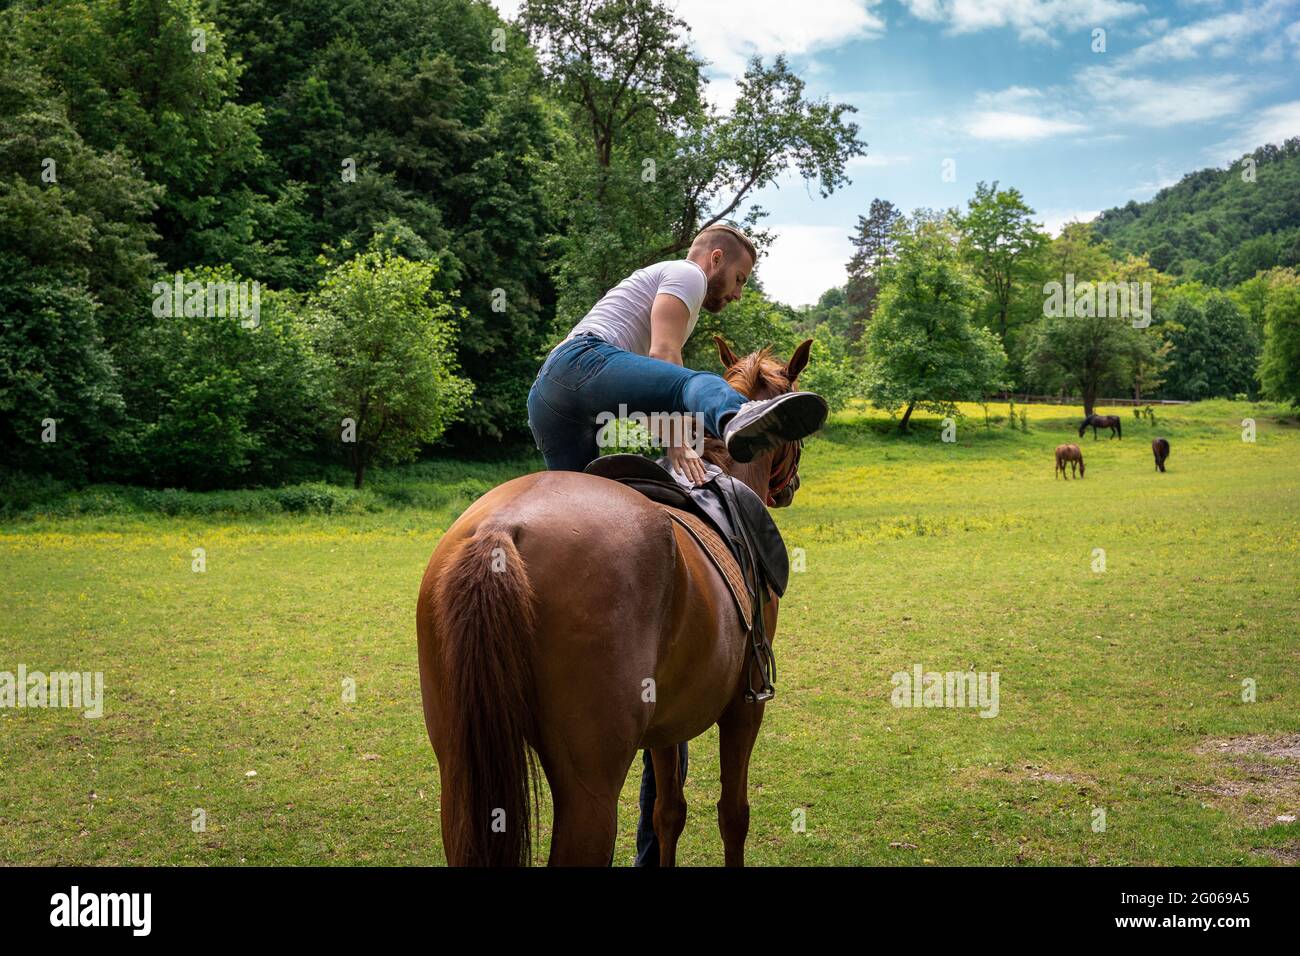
<point x="766" y="661"/>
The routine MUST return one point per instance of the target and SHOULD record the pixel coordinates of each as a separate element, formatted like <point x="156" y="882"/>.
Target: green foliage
<point x="644" y="162"/>
<point x="923" y="349"/>
<point x="388" y="340"/>
<point x="1003" y="246"/>
<point x="1214" y="355"/>
<point x="74" y="258"/>
<point x="157" y="79"/>
<point x="835" y="370"/>
<point x="752" y="323"/>
<point x="1219" y="226"/>
<point x="1086" y="353"/>
<point x="222" y="399"/>
<point x="449" y="138"/>
<point x="1279" y="370"/>
<point x="873" y="247"/>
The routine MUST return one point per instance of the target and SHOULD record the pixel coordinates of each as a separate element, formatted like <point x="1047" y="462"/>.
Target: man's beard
<point x="713" y="295"/>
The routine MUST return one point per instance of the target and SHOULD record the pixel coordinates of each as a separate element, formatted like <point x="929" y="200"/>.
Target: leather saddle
<point x="720" y="508"/>
<point x="755" y="533"/>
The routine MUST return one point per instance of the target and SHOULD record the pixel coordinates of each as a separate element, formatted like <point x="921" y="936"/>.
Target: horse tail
<point x="486" y="608"/>
<point x="1119" y="431"/>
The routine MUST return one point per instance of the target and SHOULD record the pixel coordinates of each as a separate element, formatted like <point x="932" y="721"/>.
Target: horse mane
<point x="758" y="375"/>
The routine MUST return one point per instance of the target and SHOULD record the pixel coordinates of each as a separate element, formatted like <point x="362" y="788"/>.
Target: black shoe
<point x="761" y="426"/>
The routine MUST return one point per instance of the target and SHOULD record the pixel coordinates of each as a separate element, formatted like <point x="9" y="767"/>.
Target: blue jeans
<point x="583" y="378"/>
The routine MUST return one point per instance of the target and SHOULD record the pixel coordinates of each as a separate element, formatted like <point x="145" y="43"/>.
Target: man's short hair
<point x="727" y="238"/>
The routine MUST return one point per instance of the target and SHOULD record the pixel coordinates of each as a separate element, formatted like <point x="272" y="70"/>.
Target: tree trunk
<point x="906" y="416"/>
<point x="358" y="473"/>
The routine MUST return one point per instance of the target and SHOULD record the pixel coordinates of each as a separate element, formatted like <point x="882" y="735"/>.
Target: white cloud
<point x="1012" y="97"/>
<point x="1143" y="101"/>
<point x="1146" y="190"/>
<point x="1218" y="36"/>
<point x="1033" y="20"/>
<point x="728" y="34"/>
<point x="1054" y="219"/>
<point x="804" y="261"/>
<point x="1018" y="127"/>
<point x="1273" y="124"/>
<point x="877" y="160"/>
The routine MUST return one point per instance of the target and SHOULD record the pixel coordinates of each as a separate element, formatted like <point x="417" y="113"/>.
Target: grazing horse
<point x="1160" y="448"/>
<point x="567" y="616"/>
<point x="1101" y="421"/>
<point x="1073" y="455"/>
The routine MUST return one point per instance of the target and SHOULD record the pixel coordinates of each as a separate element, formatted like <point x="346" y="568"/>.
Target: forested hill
<point x="1216" y="225"/>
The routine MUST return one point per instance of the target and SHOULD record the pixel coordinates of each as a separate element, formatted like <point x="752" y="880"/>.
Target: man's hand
<point x="683" y="459"/>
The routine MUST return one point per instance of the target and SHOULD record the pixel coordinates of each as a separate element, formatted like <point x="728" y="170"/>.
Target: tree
<point x="874" y="245"/>
<point x="1003" y="246"/>
<point x="388" y="339"/>
<point x="923" y="349"/>
<point x="1220" y="226"/>
<point x="1084" y="351"/>
<point x="74" y="260"/>
<point x="1214" y="355"/>
<point x="418" y="120"/>
<point x="1151" y="361"/>
<point x="646" y="162"/>
<point x="1279" y="368"/>
<point x="157" y="79"/>
<point x="224" y="398"/>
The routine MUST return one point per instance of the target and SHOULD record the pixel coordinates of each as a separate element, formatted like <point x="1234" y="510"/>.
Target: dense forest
<point x="1218" y="226"/>
<point x="250" y="242"/>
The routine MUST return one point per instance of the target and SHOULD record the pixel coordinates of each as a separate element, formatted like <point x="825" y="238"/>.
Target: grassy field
<point x="1121" y="690"/>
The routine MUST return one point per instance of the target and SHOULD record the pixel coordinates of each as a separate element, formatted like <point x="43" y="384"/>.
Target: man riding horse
<point x="627" y="353"/>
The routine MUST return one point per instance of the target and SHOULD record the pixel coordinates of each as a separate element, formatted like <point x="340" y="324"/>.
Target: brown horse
<point x="1101" y="421"/>
<point x="1073" y="455"/>
<point x="1160" y="448"/>
<point x="566" y="615"/>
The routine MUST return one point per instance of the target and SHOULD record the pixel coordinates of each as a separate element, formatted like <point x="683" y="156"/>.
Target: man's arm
<point x="669" y="318"/>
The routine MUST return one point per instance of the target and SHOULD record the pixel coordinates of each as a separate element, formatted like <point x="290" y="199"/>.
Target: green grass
<point x="952" y="556"/>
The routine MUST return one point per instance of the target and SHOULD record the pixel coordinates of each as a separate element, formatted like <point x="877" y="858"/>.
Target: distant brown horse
<point x="1073" y="455"/>
<point x="1101" y="421"/>
<point x="1160" y="448"/>
<point x="567" y="615"/>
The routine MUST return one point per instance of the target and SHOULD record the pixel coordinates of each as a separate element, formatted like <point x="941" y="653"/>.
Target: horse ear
<point x="798" y="361"/>
<point x="728" y="357"/>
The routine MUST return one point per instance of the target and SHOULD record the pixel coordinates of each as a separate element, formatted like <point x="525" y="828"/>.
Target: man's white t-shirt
<point x="622" y="316"/>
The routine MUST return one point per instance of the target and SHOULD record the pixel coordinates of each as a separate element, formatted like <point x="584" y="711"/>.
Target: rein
<point x="783" y="472"/>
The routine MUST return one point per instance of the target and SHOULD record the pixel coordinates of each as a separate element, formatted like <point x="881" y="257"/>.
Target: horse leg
<point x="585" y="754"/>
<point x="737" y="731"/>
<point x="585" y="823"/>
<point x="670" y="802"/>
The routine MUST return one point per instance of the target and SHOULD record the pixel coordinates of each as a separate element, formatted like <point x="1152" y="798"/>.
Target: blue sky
<point x="1008" y="90"/>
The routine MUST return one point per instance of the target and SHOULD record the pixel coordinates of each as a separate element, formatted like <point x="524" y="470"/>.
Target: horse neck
<point x="754" y="475"/>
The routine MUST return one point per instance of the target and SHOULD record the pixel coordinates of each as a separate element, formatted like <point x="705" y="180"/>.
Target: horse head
<point x="774" y="477"/>
<point x="1084" y="427"/>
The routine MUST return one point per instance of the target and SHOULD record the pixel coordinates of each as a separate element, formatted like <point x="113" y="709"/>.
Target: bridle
<point x="784" y="468"/>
